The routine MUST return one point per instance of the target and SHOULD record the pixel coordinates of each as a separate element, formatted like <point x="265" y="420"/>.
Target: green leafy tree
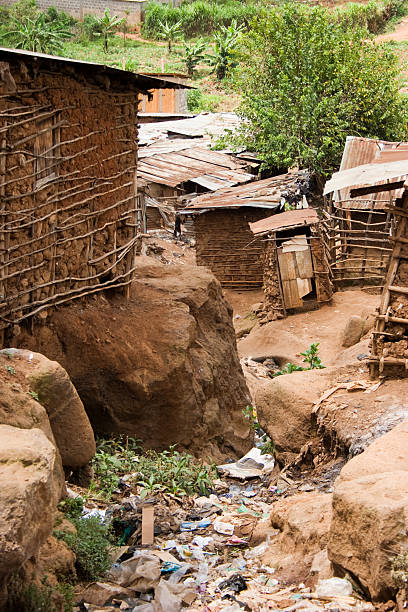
<point x="108" y="26"/>
<point x="170" y="32"/>
<point x="308" y="81"/>
<point x="225" y="56"/>
<point x="194" y="55"/>
<point x="37" y="35"/>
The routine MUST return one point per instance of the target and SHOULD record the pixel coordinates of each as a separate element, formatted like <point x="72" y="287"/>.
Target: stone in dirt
<point x="370" y="512"/>
<point x="162" y="366"/>
<point x="31" y="483"/>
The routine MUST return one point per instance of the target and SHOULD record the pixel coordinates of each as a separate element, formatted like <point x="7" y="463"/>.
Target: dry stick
<point x="70" y="207"/>
<point x="22" y="92"/>
<point x="3" y="243"/>
<point x="57" y="179"/>
<point x="88" y="291"/>
<point x="33" y="109"/>
<point x="36" y="134"/>
<point x="32" y="241"/>
<point x="125" y="249"/>
<point x="46" y="115"/>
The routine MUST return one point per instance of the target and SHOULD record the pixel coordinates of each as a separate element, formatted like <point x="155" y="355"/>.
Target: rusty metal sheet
<point x="259" y="194"/>
<point x="369" y="174"/>
<point x="212" y="183"/>
<point x="285" y="220"/>
<point x="362" y="151"/>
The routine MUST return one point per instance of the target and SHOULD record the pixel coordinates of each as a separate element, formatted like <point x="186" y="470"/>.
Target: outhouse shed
<point x="295" y="269"/>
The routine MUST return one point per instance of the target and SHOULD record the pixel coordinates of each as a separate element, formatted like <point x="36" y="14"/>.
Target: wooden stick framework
<point x="70" y="215"/>
<point x="357" y="241"/>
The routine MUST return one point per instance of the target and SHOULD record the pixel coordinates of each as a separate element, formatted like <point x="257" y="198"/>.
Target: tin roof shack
<point x="224" y="241"/>
<point x="357" y="230"/>
<point x="68" y="191"/>
<point x="172" y="168"/>
<point x="295" y="273"/>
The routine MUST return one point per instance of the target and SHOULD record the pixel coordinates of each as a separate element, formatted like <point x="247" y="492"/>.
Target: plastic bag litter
<point x="141" y="572"/>
<point x="87" y="513"/>
<point x="202" y="542"/>
<point x="252" y="465"/>
<point x="258" y="551"/>
<point x="170" y="597"/>
<point x="334" y="587"/>
<point x="224" y="528"/>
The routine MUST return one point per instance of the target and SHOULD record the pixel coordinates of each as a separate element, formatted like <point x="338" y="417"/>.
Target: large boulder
<point x="31" y="484"/>
<point x="284" y="406"/>
<point x="161" y="366"/>
<point x="37" y="392"/>
<point x="370" y="512"/>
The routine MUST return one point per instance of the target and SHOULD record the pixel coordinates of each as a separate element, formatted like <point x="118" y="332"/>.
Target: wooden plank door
<point x="296" y="272"/>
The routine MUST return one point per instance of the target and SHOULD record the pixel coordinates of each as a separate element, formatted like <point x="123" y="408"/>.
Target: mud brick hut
<point x="358" y="229"/>
<point x="296" y="272"/>
<point x="69" y="206"/>
<point x="224" y="241"/>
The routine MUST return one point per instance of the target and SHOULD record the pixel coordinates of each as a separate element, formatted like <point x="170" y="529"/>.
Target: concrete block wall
<point x="131" y="9"/>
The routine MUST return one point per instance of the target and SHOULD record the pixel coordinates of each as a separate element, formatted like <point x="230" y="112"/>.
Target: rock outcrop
<point x="303" y="523"/>
<point x="370" y="512"/>
<point x="37" y="392"/>
<point x="31" y="484"/>
<point x="162" y="366"/>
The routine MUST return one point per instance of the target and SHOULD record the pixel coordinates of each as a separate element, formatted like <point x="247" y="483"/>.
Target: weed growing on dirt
<point x="91" y="545"/>
<point x="399" y="570"/>
<point x="174" y="472"/>
<point x="267" y="447"/>
<point x="311" y="357"/>
<point x="10" y="369"/>
<point x="168" y="471"/>
<point x="72" y="507"/>
<point x="34" y="395"/>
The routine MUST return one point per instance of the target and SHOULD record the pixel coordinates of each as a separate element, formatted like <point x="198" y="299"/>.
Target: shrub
<point x="199" y="102"/>
<point x="53" y="15"/>
<point x="30" y="597"/>
<point x="72" y="507"/>
<point x="308" y="82"/>
<point x="91" y="545"/>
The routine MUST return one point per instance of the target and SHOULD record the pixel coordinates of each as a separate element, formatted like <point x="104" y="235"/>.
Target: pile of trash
<point x="200" y="553"/>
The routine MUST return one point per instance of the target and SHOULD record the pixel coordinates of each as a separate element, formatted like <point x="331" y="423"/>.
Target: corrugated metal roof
<point x="141" y="81"/>
<point x="369" y="174"/>
<point x="260" y="194"/>
<point x="360" y="152"/>
<point x="211" y="169"/>
<point x="210" y="125"/>
<point x="285" y="220"/>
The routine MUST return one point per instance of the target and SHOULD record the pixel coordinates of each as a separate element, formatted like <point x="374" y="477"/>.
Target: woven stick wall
<point x="357" y="244"/>
<point x="68" y="195"/>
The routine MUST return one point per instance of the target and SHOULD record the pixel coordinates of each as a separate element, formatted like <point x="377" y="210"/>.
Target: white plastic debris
<point x="258" y="551"/>
<point x="252" y="465"/>
<point x="224" y="528"/>
<point x="334" y="587"/>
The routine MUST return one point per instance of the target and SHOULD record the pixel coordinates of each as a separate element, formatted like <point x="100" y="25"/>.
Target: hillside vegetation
<point x="303" y="76"/>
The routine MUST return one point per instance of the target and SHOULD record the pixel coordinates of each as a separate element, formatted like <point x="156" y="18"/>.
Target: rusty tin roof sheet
<point x="260" y="194"/>
<point x="210" y="169"/>
<point x="285" y="220"/>
<point x="361" y="152"/>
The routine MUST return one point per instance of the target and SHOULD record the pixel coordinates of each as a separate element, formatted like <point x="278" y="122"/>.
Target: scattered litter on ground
<point x="253" y="465"/>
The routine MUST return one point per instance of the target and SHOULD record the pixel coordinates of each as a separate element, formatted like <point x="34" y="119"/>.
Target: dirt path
<point x="288" y="337"/>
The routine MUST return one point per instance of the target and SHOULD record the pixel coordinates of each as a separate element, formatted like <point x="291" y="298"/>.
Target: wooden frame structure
<point x="389" y="349"/>
<point x="357" y="242"/>
<point x="294" y="262"/>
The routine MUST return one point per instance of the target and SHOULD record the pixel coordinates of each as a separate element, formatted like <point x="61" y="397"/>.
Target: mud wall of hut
<point x="273" y="303"/>
<point x="226" y="245"/>
<point x="68" y="198"/>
